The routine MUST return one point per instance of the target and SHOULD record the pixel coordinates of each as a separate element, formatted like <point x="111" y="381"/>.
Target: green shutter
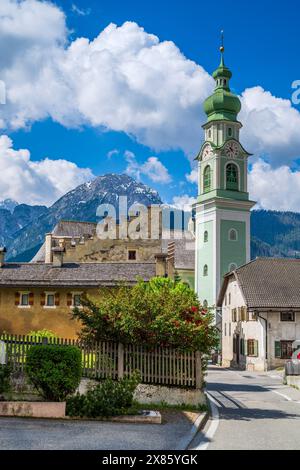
<point x="246" y="348"/>
<point x="255" y="348"/>
<point x="242" y="346"/>
<point x="277" y="349"/>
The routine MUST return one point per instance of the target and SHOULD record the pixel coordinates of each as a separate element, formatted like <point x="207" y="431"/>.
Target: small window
<point x="205" y="236"/>
<point x="24" y="300"/>
<point x="225" y="300"/>
<point x="205" y="270"/>
<point x="229" y="131"/>
<point x="225" y="329"/>
<point x="229" y="329"/>
<point x="50" y="300"/>
<point x="132" y="255"/>
<point x="76" y="300"/>
<point x="209" y="133"/>
<point x="234" y="315"/>
<point x="232" y="235"/>
<point x="252" y="347"/>
<point x="287" y="316"/>
<point x="229" y="298"/>
<point x="283" y="349"/>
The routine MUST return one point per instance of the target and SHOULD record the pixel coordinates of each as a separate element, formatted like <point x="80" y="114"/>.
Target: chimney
<point x="48" y="248"/>
<point x="57" y="256"/>
<point x="2" y="256"/>
<point x="161" y="264"/>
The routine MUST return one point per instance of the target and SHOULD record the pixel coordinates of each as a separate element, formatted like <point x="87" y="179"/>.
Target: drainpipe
<point x="266" y="339"/>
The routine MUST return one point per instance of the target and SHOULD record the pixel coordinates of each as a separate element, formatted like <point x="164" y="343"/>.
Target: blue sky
<point x="261" y="48"/>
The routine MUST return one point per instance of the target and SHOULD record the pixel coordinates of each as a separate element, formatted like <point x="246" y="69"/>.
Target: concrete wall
<point x="276" y="331"/>
<point x="96" y="250"/>
<point x="245" y="329"/>
<point x="293" y="380"/>
<point x="157" y="394"/>
<point x="21" y="320"/>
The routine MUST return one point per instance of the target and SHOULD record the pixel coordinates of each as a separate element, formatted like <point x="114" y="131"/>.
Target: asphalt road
<point x="42" y="434"/>
<point x="250" y="411"/>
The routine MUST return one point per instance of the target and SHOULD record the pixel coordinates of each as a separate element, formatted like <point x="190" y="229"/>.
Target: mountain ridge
<point x="23" y="227"/>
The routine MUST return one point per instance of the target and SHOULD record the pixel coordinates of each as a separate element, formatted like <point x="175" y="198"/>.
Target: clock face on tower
<point x="232" y="149"/>
<point x="207" y="152"/>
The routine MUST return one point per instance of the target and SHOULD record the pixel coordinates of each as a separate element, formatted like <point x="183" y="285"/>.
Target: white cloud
<point x="124" y="80"/>
<point x="80" y="11"/>
<point x="271" y="126"/>
<point x="36" y="182"/>
<point x="152" y="168"/>
<point x="192" y="177"/>
<point x="277" y="189"/>
<point x="183" y="202"/>
<point x="113" y="152"/>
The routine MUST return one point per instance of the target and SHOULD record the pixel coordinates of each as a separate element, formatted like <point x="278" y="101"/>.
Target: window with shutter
<point x="31" y="299"/>
<point x="43" y="299"/>
<point x="277" y="349"/>
<point x="69" y="299"/>
<point x="252" y="347"/>
<point x="255" y="348"/>
<point x="17" y="299"/>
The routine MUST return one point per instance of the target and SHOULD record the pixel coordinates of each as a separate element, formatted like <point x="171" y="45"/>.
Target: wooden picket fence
<point x="157" y="366"/>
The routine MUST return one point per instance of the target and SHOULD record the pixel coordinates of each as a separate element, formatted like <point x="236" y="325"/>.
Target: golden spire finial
<point x="222" y="42"/>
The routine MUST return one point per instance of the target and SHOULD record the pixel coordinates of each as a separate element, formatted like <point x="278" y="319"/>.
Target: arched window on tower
<point x="207" y="179"/>
<point x="232" y="177"/>
<point x="232" y="267"/>
<point x="205" y="237"/>
<point x="205" y="270"/>
<point x="232" y="235"/>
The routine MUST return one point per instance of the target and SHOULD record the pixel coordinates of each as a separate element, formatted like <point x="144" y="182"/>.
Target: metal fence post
<point x="120" y="361"/>
<point x="199" y="374"/>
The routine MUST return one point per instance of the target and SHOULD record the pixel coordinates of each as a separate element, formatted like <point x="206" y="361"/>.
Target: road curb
<point x="198" y="424"/>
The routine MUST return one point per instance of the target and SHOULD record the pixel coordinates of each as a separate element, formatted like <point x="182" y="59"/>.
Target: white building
<point x="260" y="304"/>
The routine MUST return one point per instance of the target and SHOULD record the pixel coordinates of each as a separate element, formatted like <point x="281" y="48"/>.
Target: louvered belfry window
<point x="207" y="179"/>
<point x="232" y="178"/>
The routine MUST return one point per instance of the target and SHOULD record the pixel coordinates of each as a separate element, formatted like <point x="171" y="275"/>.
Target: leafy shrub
<point x="55" y="371"/>
<point x="108" y="398"/>
<point x="161" y="312"/>
<point x="5" y="373"/>
<point x="42" y="334"/>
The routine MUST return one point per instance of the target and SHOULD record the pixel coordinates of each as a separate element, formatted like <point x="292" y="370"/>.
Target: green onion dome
<point x="222" y="104"/>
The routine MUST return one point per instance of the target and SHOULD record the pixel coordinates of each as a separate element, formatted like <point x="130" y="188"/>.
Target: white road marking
<point x="214" y="423"/>
<point x="184" y="443"/>
<point x="281" y="394"/>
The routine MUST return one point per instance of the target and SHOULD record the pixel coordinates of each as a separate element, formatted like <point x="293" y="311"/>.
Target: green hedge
<point x="108" y="398"/>
<point x="55" y="371"/>
<point x="5" y="373"/>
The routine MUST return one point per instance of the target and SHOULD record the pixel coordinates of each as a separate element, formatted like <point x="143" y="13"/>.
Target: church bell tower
<point x="223" y="205"/>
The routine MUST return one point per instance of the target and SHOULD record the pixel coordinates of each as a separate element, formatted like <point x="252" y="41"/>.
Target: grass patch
<point x="162" y="406"/>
